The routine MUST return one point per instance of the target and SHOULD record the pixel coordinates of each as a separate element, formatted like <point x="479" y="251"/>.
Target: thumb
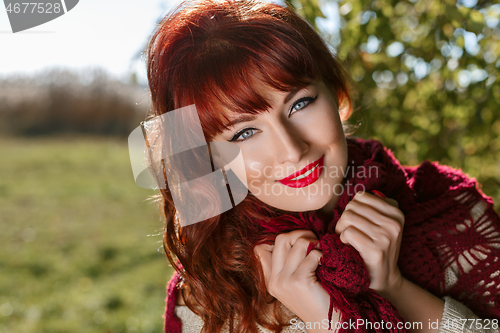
<point x="310" y="263"/>
<point x="264" y="253"/>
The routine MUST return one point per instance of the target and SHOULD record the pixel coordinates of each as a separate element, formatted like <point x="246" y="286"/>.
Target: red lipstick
<point x="310" y="176"/>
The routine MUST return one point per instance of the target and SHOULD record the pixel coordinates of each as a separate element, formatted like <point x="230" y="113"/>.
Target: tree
<point x="426" y="73"/>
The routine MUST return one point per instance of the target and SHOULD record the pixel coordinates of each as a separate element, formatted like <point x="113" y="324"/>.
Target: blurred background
<point x="81" y="249"/>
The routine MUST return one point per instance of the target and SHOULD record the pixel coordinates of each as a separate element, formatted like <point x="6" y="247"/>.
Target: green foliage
<point x="76" y="256"/>
<point x="426" y="73"/>
<point x="308" y="9"/>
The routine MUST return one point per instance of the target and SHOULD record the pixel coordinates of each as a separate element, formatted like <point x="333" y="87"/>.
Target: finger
<point x="297" y="254"/>
<point x="282" y="245"/>
<point x="369" y="220"/>
<point x="388" y="200"/>
<point x="261" y="248"/>
<point x="310" y="263"/>
<point x="392" y="202"/>
<point x="351" y="218"/>
<point x="264" y="254"/>
<point x="381" y="205"/>
<point x="357" y="239"/>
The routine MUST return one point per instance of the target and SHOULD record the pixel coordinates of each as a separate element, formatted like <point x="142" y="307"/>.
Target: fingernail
<point x="310" y="247"/>
<point x="378" y="194"/>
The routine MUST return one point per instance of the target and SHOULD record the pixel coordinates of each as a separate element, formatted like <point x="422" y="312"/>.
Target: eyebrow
<point x="291" y="94"/>
<point x="241" y="119"/>
<point x="246" y="118"/>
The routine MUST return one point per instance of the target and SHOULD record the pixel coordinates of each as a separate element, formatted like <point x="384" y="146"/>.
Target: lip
<point x="311" y="178"/>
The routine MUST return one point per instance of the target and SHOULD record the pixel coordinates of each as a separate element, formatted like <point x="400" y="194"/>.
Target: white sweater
<point x="457" y="318"/>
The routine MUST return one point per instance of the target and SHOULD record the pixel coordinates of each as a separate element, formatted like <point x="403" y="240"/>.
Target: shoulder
<point x="194" y="323"/>
<point x="371" y="152"/>
<point x="365" y="148"/>
<point x="191" y="322"/>
<point x="432" y="179"/>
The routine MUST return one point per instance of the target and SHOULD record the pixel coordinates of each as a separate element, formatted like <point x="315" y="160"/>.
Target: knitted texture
<point x="172" y="323"/>
<point x="450" y="243"/>
<point x="343" y="273"/>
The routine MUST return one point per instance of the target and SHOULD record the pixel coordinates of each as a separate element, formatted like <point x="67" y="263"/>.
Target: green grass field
<point x="80" y="242"/>
<point x="81" y="250"/>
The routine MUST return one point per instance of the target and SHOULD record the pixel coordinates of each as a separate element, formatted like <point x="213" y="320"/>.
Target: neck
<point x="326" y="217"/>
<point x="326" y="212"/>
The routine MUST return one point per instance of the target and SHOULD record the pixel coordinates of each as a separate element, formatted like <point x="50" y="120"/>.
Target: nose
<point x="289" y="144"/>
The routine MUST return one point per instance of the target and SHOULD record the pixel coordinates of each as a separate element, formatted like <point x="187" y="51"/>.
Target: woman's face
<point x="294" y="154"/>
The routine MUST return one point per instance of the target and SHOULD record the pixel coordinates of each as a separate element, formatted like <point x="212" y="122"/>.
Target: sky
<point x="107" y="34"/>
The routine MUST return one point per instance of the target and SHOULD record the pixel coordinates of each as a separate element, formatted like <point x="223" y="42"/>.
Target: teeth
<point x="306" y="174"/>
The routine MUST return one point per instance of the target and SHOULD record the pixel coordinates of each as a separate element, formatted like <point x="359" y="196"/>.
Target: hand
<point x="290" y="274"/>
<point x="373" y="226"/>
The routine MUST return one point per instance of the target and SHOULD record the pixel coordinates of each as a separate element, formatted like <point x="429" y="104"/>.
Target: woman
<point x="315" y="241"/>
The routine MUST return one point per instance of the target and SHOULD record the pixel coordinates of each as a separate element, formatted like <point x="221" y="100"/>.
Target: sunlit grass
<point x="80" y="245"/>
<point x="79" y="242"/>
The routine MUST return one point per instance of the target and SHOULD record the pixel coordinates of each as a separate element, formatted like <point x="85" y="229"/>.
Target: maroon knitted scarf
<point x="450" y="245"/>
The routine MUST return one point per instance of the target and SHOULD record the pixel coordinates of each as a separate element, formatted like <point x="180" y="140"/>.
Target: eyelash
<point x="308" y="99"/>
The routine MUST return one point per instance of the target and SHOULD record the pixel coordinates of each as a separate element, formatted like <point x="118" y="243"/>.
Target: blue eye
<point x="299" y="106"/>
<point x="301" y="103"/>
<point x="244" y="134"/>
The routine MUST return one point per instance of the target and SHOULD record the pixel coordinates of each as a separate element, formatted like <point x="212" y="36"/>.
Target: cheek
<point x="323" y="126"/>
<point x="256" y="170"/>
<point x="258" y="161"/>
<point x="253" y="169"/>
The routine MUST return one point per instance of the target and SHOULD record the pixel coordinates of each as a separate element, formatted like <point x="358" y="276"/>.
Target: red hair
<point x="215" y="54"/>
